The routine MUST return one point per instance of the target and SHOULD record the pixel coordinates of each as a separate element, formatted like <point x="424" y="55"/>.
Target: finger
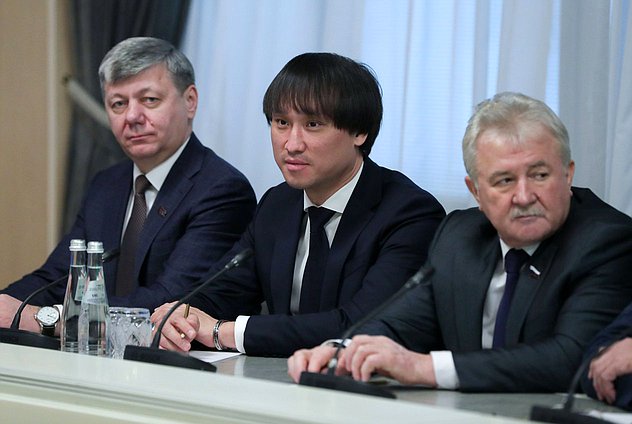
<point x="297" y="363"/>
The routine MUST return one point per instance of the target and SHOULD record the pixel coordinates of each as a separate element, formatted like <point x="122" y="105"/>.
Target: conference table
<point x="38" y="385"/>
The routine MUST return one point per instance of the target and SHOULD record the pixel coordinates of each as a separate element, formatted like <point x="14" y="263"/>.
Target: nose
<point x="523" y="194"/>
<point x="134" y="114"/>
<point x="295" y="142"/>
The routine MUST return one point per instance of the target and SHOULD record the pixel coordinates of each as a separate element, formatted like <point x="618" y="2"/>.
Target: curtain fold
<point x="435" y="61"/>
<point x="96" y="27"/>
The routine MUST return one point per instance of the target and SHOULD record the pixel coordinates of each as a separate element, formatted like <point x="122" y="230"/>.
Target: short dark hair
<point x="330" y="85"/>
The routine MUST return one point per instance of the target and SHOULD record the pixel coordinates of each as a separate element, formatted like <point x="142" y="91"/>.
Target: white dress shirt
<point x="442" y="361"/>
<point x="337" y="202"/>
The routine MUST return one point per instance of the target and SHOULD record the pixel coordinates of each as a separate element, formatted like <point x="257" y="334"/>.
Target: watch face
<point x="48" y="315"/>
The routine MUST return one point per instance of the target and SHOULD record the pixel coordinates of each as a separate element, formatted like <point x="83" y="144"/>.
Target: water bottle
<point x="74" y="293"/>
<point x="94" y="319"/>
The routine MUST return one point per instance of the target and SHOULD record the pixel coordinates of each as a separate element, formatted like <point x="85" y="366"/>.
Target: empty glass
<point x="128" y="326"/>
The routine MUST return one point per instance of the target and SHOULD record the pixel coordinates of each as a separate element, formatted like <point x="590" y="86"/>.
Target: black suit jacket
<point x="382" y="239"/>
<point x="201" y="210"/>
<point x="583" y="283"/>
<point x="621" y="327"/>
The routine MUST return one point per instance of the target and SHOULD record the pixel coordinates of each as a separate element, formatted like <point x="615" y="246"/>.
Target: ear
<point x="570" y="171"/>
<point x="190" y="97"/>
<point x="359" y="139"/>
<point x="471" y="186"/>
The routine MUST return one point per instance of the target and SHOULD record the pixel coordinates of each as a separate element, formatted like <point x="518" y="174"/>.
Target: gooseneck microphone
<point x="348" y="384"/>
<point x="13" y="334"/>
<point x="155" y="355"/>
<point x="565" y="415"/>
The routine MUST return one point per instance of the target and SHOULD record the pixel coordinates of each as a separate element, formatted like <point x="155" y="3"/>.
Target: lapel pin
<point x="534" y="271"/>
<point x="162" y="211"/>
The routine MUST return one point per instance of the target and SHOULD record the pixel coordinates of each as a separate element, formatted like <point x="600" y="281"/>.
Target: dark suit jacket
<point x="621" y="327"/>
<point x="584" y="283"/>
<point x="382" y="239"/>
<point x="202" y="208"/>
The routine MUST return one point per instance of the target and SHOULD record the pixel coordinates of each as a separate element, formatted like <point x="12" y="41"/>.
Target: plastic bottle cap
<point x="77" y="245"/>
<point x="95" y="247"/>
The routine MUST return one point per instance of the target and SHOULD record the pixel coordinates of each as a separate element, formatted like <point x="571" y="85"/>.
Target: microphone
<point x="565" y="415"/>
<point x="155" y="355"/>
<point x="13" y="334"/>
<point x="348" y="384"/>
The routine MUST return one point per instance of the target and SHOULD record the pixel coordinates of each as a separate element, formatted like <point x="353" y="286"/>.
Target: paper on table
<point x="212" y="356"/>
<point x="614" y="417"/>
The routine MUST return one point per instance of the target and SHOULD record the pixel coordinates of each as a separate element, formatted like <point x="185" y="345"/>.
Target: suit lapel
<point x="287" y="231"/>
<point x="113" y="221"/>
<point x="358" y="212"/>
<point x="475" y="269"/>
<point x="176" y="186"/>
<point x="532" y="275"/>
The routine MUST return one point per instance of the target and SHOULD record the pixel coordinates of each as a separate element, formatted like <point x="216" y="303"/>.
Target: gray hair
<point x="134" y="55"/>
<point x="509" y="112"/>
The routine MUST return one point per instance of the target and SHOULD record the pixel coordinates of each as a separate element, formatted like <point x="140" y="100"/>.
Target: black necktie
<point x="125" y="281"/>
<point x="316" y="261"/>
<point x="514" y="259"/>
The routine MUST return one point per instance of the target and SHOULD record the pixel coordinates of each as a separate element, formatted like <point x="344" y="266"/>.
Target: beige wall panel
<point x="33" y="131"/>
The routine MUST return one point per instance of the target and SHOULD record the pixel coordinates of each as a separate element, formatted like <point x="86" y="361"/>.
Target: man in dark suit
<point x="325" y="112"/>
<point x="609" y="377"/>
<point x="479" y="326"/>
<point x="197" y="205"/>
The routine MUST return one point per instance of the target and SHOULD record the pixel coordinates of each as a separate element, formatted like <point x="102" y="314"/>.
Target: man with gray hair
<point x="173" y="209"/>
<point x="521" y="283"/>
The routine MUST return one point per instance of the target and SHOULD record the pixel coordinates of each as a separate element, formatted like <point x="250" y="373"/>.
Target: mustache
<point x="518" y="212"/>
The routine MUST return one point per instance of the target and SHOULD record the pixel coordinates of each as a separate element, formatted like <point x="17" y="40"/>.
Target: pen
<point x="186" y="314"/>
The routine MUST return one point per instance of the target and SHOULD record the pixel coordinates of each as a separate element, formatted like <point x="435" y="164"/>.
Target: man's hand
<point x="363" y="357"/>
<point x="9" y="306"/>
<point x="312" y="360"/>
<point x="177" y="326"/>
<point x="604" y="370"/>
<point x="378" y="354"/>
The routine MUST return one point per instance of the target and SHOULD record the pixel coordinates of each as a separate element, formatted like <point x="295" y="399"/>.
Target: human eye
<point x="540" y="176"/>
<point x="117" y="106"/>
<point x="280" y="122"/>
<point x="151" y="101"/>
<point x="502" y="181"/>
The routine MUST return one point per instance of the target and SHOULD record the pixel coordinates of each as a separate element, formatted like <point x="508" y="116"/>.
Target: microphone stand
<point x="565" y="415"/>
<point x="347" y="384"/>
<point x="155" y="355"/>
<point x="13" y="334"/>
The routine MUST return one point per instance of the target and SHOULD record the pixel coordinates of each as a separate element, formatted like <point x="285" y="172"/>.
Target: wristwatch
<point x="47" y="317"/>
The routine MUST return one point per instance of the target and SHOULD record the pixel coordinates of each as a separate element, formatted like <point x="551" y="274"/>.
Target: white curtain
<point x="435" y="60"/>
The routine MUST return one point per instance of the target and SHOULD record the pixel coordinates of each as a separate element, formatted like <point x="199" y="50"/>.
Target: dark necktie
<point x="125" y="281"/>
<point x="316" y="261"/>
<point x="514" y="259"/>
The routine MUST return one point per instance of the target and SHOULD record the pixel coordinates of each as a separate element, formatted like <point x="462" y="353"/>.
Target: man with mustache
<point x="521" y="285"/>
<point x="324" y="112"/>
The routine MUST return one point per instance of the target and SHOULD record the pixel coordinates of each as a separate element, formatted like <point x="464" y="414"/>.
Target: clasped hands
<point x="363" y="357"/>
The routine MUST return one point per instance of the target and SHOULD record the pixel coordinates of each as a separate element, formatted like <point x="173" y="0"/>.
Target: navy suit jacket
<point x="621" y="327"/>
<point x="202" y="208"/>
<point x="382" y="239"/>
<point x="582" y="282"/>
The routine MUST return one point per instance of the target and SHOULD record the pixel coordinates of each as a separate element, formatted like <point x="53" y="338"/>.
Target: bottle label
<point x="95" y="293"/>
<point x="81" y="286"/>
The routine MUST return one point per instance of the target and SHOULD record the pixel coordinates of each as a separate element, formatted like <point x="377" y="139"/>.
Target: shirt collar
<point x="337" y="201"/>
<point x="529" y="249"/>
<point x="158" y="175"/>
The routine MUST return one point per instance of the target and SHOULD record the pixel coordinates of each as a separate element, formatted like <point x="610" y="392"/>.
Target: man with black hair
<point x="324" y="111"/>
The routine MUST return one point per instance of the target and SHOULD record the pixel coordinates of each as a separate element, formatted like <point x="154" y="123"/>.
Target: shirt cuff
<point x="445" y="371"/>
<point x="240" y="330"/>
